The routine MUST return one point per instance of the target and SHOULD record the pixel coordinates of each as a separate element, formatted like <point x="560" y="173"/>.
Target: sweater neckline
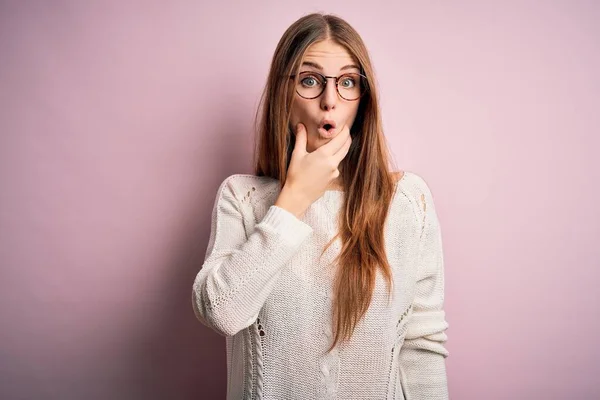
<point x="339" y="192"/>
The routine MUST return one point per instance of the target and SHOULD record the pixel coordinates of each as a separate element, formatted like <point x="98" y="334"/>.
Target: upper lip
<point x="327" y="121"/>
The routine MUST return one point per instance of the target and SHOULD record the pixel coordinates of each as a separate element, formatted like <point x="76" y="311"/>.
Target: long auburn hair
<point x="364" y="172"/>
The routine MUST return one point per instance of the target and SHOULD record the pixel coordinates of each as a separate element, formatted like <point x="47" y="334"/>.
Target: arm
<point x="239" y="272"/>
<point x="423" y="354"/>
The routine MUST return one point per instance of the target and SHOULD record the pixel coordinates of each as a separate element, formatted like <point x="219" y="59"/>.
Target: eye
<point x="348" y="82"/>
<point x="310" y="81"/>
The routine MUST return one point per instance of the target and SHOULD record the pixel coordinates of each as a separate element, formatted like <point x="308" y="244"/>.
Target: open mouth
<point x="327" y="125"/>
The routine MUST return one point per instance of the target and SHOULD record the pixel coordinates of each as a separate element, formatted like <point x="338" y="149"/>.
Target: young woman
<point x="324" y="269"/>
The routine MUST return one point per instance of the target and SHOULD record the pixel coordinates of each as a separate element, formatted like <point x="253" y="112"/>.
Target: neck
<point x="335" y="185"/>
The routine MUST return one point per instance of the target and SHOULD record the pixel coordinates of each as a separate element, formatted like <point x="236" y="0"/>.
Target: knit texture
<point x="264" y="287"/>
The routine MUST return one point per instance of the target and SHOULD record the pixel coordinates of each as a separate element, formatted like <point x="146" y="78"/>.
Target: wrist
<point x="292" y="201"/>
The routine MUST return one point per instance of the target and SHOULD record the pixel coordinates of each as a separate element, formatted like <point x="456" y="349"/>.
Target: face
<point x="330" y="59"/>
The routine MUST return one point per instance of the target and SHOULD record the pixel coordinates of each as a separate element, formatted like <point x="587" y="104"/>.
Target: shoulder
<point x="243" y="187"/>
<point x="412" y="182"/>
<point x="415" y="187"/>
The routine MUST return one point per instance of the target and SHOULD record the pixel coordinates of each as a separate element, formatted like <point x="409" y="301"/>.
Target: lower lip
<point x="327" y="134"/>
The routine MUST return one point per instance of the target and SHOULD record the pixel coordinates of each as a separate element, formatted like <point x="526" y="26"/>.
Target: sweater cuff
<point x="287" y="224"/>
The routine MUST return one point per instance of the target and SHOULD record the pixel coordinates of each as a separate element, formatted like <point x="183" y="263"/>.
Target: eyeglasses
<point x="311" y="84"/>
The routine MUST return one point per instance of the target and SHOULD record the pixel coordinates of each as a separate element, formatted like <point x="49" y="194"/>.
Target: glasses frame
<point x="337" y="89"/>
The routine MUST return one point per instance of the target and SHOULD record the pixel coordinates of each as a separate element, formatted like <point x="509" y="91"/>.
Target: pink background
<point x="119" y="119"/>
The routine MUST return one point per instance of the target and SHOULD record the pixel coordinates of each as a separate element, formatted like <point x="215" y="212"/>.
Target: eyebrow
<point x="320" y="68"/>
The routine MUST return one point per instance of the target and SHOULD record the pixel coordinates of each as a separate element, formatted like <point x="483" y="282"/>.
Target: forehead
<point x="329" y="54"/>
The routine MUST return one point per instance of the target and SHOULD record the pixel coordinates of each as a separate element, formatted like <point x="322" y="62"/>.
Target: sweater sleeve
<point x="422" y="356"/>
<point x="240" y="271"/>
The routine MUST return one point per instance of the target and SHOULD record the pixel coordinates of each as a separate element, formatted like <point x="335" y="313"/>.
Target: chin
<point x="314" y="146"/>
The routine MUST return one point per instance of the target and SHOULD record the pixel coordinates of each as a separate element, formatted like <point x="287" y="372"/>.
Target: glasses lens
<point x="310" y="85"/>
<point x="351" y="86"/>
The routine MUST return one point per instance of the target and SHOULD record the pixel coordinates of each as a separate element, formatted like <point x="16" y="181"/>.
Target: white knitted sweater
<point x="263" y="287"/>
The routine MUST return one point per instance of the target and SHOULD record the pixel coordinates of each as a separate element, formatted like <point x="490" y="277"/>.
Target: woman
<point x="324" y="269"/>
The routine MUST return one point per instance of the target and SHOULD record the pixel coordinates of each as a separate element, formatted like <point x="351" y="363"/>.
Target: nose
<point x="329" y="98"/>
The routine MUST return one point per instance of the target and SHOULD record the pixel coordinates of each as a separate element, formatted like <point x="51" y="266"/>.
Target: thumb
<point x="300" y="145"/>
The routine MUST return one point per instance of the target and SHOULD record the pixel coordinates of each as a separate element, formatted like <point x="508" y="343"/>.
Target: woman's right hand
<point x="309" y="174"/>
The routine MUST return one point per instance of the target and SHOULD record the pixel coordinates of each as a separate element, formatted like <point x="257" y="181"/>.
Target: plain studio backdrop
<point x="119" y="119"/>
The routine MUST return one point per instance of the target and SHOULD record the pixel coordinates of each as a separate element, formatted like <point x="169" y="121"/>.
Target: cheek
<point x="352" y="115"/>
<point x="300" y="112"/>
